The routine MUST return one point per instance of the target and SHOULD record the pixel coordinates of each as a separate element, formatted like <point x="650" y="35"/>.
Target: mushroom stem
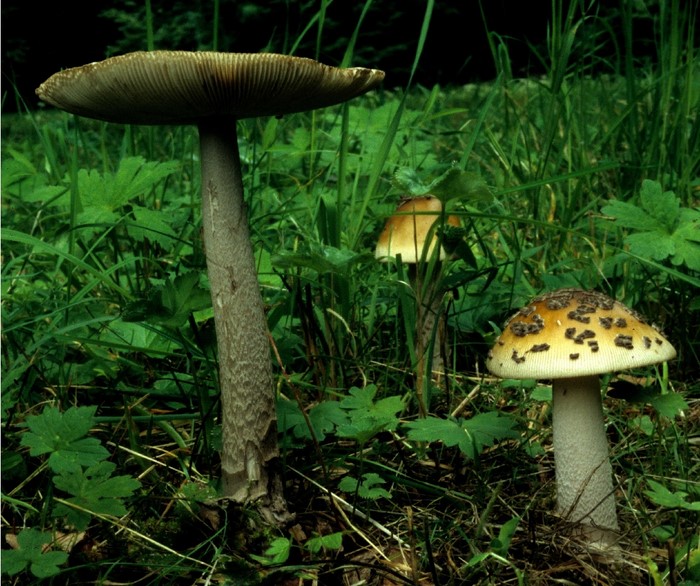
<point x="249" y="435"/>
<point x="430" y="317"/>
<point x="585" y="493"/>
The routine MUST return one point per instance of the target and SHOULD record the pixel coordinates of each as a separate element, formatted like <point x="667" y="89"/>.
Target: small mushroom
<point x="571" y="336"/>
<point x="213" y="90"/>
<point x="412" y="232"/>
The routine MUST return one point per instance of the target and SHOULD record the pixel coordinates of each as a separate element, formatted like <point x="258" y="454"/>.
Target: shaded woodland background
<point x="37" y="42"/>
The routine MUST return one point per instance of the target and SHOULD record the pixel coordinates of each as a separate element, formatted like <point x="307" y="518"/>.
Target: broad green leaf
<point x="31" y="553"/>
<point x="277" y="553"/>
<point x="662" y="496"/>
<point x="460" y="185"/>
<point x="365" y="488"/>
<point x="171" y="303"/>
<point x="368" y="418"/>
<point x="331" y="541"/>
<point x="653" y="244"/>
<point x="134" y="177"/>
<point x="408" y="181"/>
<point x="94" y="490"/>
<point x="662" y="229"/>
<point x="153" y="225"/>
<point x="669" y="404"/>
<point x="62" y="436"/>
<point x="324" y="417"/>
<point x="664" y="206"/>
<point x="103" y="195"/>
<point x="470" y="435"/>
<point x="628" y="215"/>
<point x="687" y="239"/>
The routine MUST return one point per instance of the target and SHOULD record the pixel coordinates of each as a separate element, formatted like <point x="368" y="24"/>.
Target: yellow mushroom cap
<point x="570" y="333"/>
<point x="182" y="87"/>
<point x="407" y="231"/>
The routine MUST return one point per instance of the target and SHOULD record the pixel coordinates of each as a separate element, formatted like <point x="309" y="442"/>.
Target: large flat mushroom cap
<point x="407" y="230"/>
<point x="179" y="87"/>
<point x="570" y="333"/>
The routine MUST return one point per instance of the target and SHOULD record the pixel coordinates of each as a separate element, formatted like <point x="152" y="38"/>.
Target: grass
<point x="105" y="303"/>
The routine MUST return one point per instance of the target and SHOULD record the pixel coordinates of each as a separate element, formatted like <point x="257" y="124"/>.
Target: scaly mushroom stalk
<point x="248" y="410"/>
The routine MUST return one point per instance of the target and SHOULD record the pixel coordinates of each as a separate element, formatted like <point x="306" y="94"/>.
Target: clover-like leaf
<point x="62" y="435"/>
<point x="32" y="551"/>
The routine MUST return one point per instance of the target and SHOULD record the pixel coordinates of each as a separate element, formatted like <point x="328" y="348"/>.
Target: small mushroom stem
<point x="250" y="451"/>
<point x="429" y="316"/>
<point x="585" y="493"/>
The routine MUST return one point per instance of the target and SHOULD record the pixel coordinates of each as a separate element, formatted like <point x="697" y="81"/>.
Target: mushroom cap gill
<point x="407" y="230"/>
<point x="183" y="87"/>
<point x="571" y="332"/>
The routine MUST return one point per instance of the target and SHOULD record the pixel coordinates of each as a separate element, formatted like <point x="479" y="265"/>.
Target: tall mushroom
<point x="214" y="90"/>
<point x="571" y="336"/>
<point x="413" y="233"/>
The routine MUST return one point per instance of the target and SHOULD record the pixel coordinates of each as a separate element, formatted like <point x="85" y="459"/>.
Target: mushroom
<point x="412" y="234"/>
<point x="214" y="90"/>
<point x="571" y="336"/>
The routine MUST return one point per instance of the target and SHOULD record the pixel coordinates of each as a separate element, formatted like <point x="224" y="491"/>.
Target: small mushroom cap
<point x="406" y="232"/>
<point x="183" y="87"/>
<point x="571" y="332"/>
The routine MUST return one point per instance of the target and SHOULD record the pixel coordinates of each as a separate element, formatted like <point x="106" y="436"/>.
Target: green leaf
<point x="669" y="404"/>
<point x="171" y="303"/>
<point x="470" y="435"/>
<point x="332" y="541"/>
<point x="94" y="491"/>
<point x="462" y="185"/>
<point x="368" y="418"/>
<point x="662" y="496"/>
<point x="408" y="181"/>
<point x="277" y="553"/>
<point x="664" y="230"/>
<point x="324" y="417"/>
<point x="321" y="259"/>
<point x="365" y="488"/>
<point x="501" y="544"/>
<point x="62" y="436"/>
<point x="662" y="205"/>
<point x="134" y="177"/>
<point x="151" y="225"/>
<point x="31" y="553"/>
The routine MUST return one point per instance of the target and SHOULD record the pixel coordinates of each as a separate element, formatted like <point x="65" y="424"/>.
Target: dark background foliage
<point x="38" y="41"/>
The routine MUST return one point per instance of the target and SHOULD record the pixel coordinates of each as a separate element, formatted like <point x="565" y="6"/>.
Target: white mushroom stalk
<point x="213" y="91"/>
<point x="585" y="491"/>
<point x="571" y="336"/>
